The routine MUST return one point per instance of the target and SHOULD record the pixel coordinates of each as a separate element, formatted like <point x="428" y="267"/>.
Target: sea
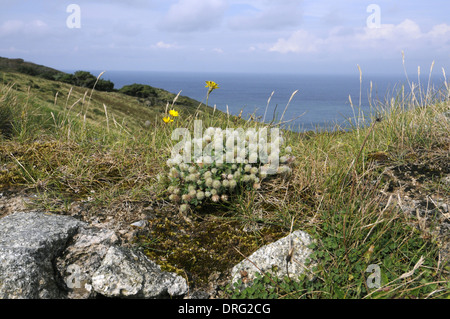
<point x="299" y="102"/>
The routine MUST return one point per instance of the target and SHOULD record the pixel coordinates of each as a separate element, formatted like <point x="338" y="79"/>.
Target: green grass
<point x="70" y="144"/>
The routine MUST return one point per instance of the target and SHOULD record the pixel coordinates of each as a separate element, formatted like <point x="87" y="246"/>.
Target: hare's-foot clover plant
<point x="218" y="163"/>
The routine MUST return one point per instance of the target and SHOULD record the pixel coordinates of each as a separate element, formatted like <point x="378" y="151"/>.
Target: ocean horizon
<point x="321" y="103"/>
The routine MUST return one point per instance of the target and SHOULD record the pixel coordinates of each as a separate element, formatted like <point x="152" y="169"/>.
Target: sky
<point x="282" y="36"/>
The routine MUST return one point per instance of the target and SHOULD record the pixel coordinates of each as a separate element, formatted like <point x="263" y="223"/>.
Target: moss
<point x="200" y="248"/>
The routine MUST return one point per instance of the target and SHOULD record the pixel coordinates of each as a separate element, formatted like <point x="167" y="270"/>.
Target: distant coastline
<point x="323" y="99"/>
<point x="322" y="102"/>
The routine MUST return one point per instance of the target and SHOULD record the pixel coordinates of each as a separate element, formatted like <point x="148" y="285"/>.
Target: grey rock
<point x="82" y="258"/>
<point x="29" y="243"/>
<point x="130" y="274"/>
<point x="45" y="256"/>
<point x="199" y="294"/>
<point x="140" y="224"/>
<point x="427" y="207"/>
<point x="273" y="258"/>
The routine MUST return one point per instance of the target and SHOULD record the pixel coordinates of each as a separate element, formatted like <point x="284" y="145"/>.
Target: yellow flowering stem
<point x="212" y="86"/>
<point x="167" y="119"/>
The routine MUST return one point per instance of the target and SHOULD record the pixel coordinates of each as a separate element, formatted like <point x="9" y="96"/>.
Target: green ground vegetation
<point x="108" y="150"/>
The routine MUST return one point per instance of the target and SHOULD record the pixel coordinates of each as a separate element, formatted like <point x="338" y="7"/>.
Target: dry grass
<point x="70" y="145"/>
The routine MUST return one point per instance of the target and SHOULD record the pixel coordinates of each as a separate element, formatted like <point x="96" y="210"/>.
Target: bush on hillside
<point x="139" y="90"/>
<point x="87" y="80"/>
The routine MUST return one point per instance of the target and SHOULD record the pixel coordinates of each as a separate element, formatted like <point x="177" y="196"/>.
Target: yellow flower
<point x="211" y="85"/>
<point x="173" y="113"/>
<point x="167" y="119"/>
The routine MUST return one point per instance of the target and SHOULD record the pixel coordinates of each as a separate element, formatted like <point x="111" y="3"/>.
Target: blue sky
<point x="295" y="36"/>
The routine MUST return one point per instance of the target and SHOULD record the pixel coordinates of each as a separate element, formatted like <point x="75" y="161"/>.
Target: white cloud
<point x="269" y="15"/>
<point x="402" y="32"/>
<point x="11" y="27"/>
<point x="388" y="39"/>
<point x="193" y="15"/>
<point x="251" y="33"/>
<point x="441" y="31"/>
<point x="300" y="41"/>
<point x="163" y="45"/>
<point x="19" y="27"/>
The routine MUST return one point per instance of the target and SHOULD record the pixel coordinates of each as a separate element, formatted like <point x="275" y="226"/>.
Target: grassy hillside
<point x="21" y="66"/>
<point x="56" y="96"/>
<point x="93" y="154"/>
